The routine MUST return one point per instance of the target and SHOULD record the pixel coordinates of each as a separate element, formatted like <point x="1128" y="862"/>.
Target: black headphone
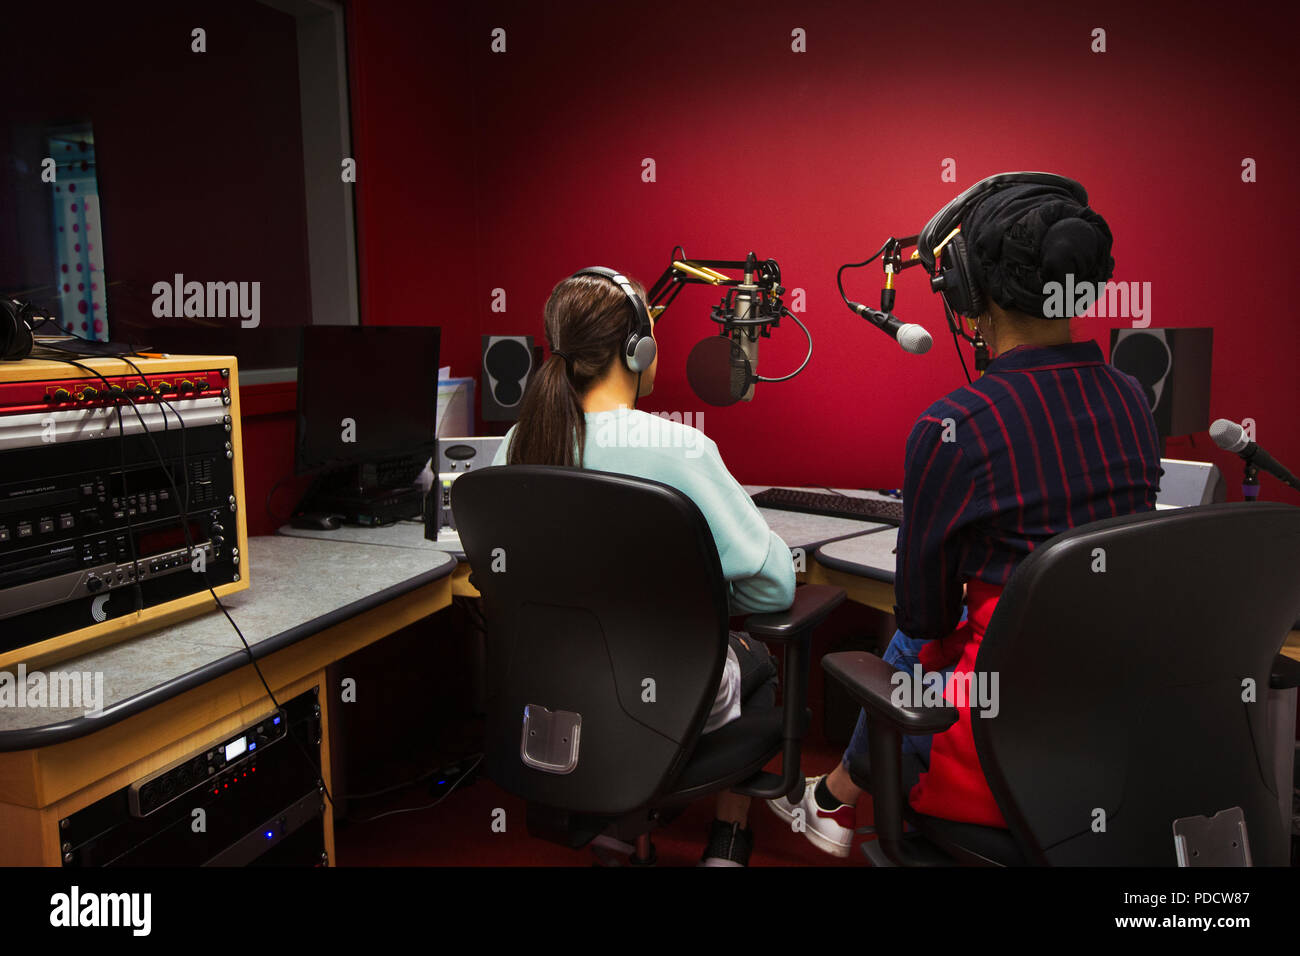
<point x="957" y="279"/>
<point x="16" y="320"/>
<point x="639" y="350"/>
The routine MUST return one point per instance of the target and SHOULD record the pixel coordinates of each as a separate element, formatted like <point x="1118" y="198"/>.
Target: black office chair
<point x="607" y="621"/>
<point x="1120" y="691"/>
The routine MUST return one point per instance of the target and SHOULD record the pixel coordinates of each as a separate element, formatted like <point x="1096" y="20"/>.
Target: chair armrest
<point x="873" y="684"/>
<point x="1285" y="673"/>
<point x="792" y="629"/>
<point x="812" y="604"/>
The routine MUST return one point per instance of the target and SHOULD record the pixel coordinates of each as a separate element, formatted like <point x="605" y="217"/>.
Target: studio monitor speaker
<point x="1173" y="367"/>
<point x="508" y="361"/>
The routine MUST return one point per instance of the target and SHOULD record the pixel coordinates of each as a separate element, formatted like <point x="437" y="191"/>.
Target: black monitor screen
<point x="366" y="394"/>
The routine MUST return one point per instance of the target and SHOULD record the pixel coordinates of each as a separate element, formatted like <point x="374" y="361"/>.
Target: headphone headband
<point x="951" y="215"/>
<point x="639" y="350"/>
<point x="960" y="280"/>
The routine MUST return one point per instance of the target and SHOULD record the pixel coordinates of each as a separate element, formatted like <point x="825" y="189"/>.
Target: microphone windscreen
<point x="1228" y="435"/>
<point x="915" y="339"/>
<point x="718" y="371"/>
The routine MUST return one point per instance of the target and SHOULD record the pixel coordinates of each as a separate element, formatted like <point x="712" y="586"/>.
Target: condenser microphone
<point x="723" y="369"/>
<point x="913" y="338"/>
<point x="1230" y="436"/>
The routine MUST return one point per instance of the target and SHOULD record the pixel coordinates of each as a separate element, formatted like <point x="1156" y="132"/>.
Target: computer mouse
<point x="316" y="521"/>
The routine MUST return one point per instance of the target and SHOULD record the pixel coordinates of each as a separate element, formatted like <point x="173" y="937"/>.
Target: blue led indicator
<point x="252" y="746"/>
<point x="270" y="834"/>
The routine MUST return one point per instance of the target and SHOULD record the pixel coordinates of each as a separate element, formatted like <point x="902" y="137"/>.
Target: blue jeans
<point x="903" y="653"/>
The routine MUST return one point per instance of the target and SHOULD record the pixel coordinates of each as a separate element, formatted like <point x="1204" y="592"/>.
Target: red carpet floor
<point x="458" y="832"/>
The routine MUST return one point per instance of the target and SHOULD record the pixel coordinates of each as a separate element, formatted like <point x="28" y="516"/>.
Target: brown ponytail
<point x="588" y="319"/>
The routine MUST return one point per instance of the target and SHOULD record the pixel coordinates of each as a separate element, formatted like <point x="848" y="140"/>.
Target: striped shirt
<point x="1047" y="439"/>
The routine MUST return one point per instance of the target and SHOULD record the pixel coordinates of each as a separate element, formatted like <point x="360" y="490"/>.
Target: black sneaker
<point x="729" y="845"/>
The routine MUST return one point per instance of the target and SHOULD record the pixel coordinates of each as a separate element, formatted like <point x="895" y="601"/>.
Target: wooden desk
<point x="180" y="690"/>
<point x="862" y="565"/>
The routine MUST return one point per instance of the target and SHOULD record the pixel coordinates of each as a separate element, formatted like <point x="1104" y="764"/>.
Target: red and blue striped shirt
<point x="1047" y="439"/>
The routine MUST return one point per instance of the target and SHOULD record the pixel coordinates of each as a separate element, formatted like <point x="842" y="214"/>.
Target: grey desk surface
<point x="299" y="588"/>
<point x="868" y="555"/>
<point x="799" y="530"/>
<point x="796" y="529"/>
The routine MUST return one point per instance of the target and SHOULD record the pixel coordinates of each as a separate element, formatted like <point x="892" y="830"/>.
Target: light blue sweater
<point x="755" y="561"/>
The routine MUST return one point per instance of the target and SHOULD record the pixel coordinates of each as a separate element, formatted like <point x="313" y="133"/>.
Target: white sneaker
<point x="831" y="832"/>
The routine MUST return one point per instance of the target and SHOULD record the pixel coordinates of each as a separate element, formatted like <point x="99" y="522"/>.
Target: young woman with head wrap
<point x="1050" y="437"/>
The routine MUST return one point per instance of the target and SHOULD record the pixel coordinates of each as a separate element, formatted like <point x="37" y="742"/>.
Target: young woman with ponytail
<point x="583" y="393"/>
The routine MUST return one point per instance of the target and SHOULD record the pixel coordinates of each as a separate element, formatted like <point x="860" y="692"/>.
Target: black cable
<point x="185" y="528"/>
<point x="839" y="275"/>
<point x="137" y="592"/>
<point x="410" y="783"/>
<point x="427" y="806"/>
<point x="271" y="494"/>
<point x="82" y="353"/>
<point x="189" y="544"/>
<point x="806" y="358"/>
<point x="954" y="327"/>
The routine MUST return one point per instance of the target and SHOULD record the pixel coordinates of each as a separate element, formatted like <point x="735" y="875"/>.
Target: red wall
<point x="482" y="170"/>
<point x="412" y="135"/>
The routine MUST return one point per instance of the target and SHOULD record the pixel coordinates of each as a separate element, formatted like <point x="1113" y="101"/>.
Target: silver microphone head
<point x="746" y="301"/>
<point x="914" y="339"/>
<point x="750" y="350"/>
<point x="1228" y="435"/>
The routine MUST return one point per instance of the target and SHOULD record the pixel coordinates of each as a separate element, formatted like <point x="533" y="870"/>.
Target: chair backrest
<point x="1133" y="658"/>
<point x="604" y="598"/>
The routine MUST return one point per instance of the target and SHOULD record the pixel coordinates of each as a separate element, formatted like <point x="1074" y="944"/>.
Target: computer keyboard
<point x="838" y="506"/>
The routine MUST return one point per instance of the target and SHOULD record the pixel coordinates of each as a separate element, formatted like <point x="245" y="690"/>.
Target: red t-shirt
<point x="954" y="787"/>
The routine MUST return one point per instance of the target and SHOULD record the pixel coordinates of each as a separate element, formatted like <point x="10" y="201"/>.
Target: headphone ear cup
<point x="640" y="352"/>
<point x="962" y="290"/>
<point x="15" y="333"/>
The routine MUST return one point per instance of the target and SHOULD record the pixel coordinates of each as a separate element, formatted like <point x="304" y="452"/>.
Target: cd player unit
<point x="108" y="531"/>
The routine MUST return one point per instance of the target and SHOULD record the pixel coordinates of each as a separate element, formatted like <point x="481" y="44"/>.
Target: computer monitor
<point x="367" y="409"/>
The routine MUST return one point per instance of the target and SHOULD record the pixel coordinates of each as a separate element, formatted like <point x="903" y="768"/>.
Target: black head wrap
<point x="1023" y="237"/>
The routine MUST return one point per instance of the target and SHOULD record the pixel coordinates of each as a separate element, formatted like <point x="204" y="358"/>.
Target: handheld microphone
<point x="1230" y="436"/>
<point x="913" y="338"/>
